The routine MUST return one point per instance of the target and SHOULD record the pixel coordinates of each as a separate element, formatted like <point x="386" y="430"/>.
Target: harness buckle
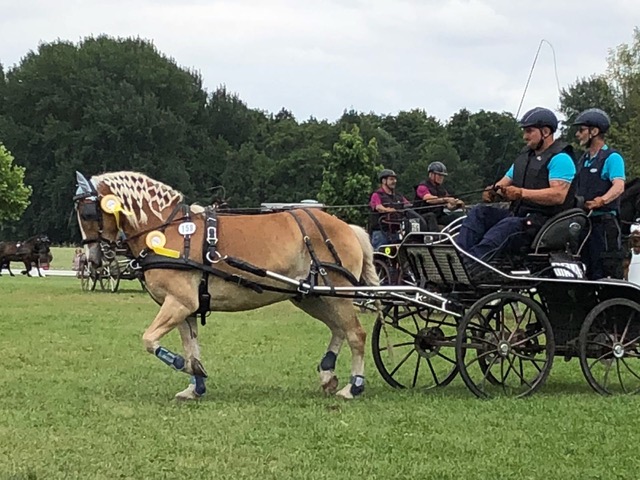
<point x="212" y="235"/>
<point x="305" y="290"/>
<point x="219" y="257"/>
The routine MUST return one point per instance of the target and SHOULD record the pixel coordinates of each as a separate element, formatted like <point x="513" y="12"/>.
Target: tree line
<point x="107" y="104"/>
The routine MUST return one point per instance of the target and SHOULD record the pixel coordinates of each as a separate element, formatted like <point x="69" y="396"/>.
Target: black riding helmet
<point x="387" y="172"/>
<point x="539" y="117"/>
<point x="594" y="117"/>
<point x="437" y="167"/>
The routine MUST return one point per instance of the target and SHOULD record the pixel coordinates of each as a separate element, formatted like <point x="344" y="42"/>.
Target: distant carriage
<point x="115" y="264"/>
<point x="33" y="252"/>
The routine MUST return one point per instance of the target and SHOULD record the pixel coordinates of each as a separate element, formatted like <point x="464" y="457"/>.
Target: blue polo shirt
<point x="561" y="167"/>
<point x="613" y="168"/>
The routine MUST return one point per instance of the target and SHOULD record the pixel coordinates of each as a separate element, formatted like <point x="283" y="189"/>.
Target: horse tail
<point x="369" y="276"/>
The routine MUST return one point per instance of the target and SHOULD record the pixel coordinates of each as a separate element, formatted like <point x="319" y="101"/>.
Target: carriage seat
<point x="563" y="231"/>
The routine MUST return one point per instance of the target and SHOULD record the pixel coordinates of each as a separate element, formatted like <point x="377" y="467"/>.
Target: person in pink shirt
<point x="433" y="201"/>
<point x="383" y="202"/>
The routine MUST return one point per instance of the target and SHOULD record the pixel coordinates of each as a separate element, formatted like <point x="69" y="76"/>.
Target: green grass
<point x="62" y="257"/>
<point x="80" y="398"/>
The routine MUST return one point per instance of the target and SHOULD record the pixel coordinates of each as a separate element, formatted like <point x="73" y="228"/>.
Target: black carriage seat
<point x="439" y="264"/>
<point x="564" y="232"/>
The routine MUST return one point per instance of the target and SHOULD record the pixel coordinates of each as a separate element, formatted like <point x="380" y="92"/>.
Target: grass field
<point x="79" y="398"/>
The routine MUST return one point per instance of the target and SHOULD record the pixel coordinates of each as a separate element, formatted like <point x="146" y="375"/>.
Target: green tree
<point x="14" y="195"/>
<point x="624" y="74"/>
<point x="101" y="105"/>
<point x="349" y="175"/>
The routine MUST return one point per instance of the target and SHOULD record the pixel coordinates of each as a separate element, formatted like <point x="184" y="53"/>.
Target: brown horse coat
<point x="272" y="241"/>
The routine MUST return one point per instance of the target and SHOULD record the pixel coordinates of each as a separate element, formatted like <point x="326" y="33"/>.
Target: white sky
<point x="318" y="58"/>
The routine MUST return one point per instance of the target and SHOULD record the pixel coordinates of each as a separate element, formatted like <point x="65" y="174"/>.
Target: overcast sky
<point x="318" y="58"/>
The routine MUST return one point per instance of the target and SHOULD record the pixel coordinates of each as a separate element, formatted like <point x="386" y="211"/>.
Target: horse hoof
<point x="187" y="394"/>
<point x="345" y="392"/>
<point x="330" y="387"/>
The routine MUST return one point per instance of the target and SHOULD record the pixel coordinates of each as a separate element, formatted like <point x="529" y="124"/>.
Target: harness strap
<point x="316" y="265"/>
<point x="187" y="238"/>
<point x="325" y="237"/>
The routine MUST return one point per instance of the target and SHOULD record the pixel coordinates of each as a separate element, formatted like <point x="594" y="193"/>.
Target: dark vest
<point x="388" y="200"/>
<point x="590" y="182"/>
<point x="419" y="203"/>
<point x="531" y="171"/>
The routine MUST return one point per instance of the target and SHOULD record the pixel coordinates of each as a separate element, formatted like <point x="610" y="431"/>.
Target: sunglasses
<point x="583" y="129"/>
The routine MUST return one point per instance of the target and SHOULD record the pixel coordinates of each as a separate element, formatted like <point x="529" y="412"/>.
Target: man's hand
<point x="454" y="204"/>
<point x="511" y="193"/>
<point x="490" y="195"/>
<point x="597" y="202"/>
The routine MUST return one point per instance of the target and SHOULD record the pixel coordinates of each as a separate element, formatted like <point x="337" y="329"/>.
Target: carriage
<point x="116" y="264"/>
<point x="499" y="324"/>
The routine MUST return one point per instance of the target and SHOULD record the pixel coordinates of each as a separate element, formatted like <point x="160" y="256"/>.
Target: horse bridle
<point x="88" y="206"/>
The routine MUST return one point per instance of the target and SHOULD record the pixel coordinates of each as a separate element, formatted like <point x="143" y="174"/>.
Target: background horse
<point x="273" y="242"/>
<point x="30" y="252"/>
<point x="629" y="213"/>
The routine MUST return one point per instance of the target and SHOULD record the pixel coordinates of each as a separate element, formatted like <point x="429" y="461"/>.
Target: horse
<point x="30" y="252"/>
<point x="630" y="215"/>
<point x="142" y="210"/>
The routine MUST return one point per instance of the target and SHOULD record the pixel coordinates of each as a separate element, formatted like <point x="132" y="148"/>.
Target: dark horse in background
<point x="630" y="214"/>
<point x="30" y="252"/>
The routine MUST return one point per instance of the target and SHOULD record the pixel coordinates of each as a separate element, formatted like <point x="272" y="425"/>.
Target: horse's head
<point x="42" y="244"/>
<point x="118" y="206"/>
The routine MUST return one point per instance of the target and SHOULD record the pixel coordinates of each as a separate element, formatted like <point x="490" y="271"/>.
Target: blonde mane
<point x="135" y="189"/>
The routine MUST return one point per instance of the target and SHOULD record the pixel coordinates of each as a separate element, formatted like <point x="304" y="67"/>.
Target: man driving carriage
<point x="600" y="180"/>
<point x="538" y="185"/>
<point x="436" y="205"/>
<point x="385" y="201"/>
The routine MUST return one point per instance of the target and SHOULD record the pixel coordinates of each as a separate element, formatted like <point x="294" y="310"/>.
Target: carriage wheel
<point x="85" y="278"/>
<point x="94" y="276"/>
<point x="610" y="347"/>
<point x="412" y="350"/>
<point x="110" y="276"/>
<point x="387" y="274"/>
<point x="505" y="346"/>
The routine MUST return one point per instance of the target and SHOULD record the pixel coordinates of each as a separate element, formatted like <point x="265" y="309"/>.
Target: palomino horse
<point x="30" y="252"/>
<point x="137" y="207"/>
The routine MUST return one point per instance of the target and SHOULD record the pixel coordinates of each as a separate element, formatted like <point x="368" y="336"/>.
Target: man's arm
<point x="613" y="171"/>
<point x="554" y="195"/>
<point x="376" y="204"/>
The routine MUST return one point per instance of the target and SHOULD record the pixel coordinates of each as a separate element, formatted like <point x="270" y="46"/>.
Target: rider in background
<point x="538" y="185"/>
<point x="431" y="193"/>
<point x="384" y="201"/>
<point x="601" y="177"/>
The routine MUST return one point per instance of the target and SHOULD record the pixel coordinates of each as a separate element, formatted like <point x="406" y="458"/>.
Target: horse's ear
<point x="84" y="185"/>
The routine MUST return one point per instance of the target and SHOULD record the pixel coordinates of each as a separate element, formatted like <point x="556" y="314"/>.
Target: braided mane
<point x="135" y="190"/>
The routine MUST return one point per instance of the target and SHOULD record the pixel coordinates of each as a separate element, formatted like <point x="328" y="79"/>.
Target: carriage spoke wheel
<point x="385" y="271"/>
<point x="94" y="275"/>
<point x="505" y="346"/>
<point x="413" y="350"/>
<point x="110" y="275"/>
<point x="610" y="347"/>
<point x="85" y="278"/>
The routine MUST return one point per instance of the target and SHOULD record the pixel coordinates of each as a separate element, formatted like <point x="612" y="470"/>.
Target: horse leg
<point x="338" y="314"/>
<point x="172" y="313"/>
<point x="189" y="334"/>
<point x="27" y="268"/>
<point x="9" y="268"/>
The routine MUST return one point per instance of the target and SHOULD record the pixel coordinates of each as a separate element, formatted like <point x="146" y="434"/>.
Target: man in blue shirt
<point x="601" y="178"/>
<point x="539" y="185"/>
